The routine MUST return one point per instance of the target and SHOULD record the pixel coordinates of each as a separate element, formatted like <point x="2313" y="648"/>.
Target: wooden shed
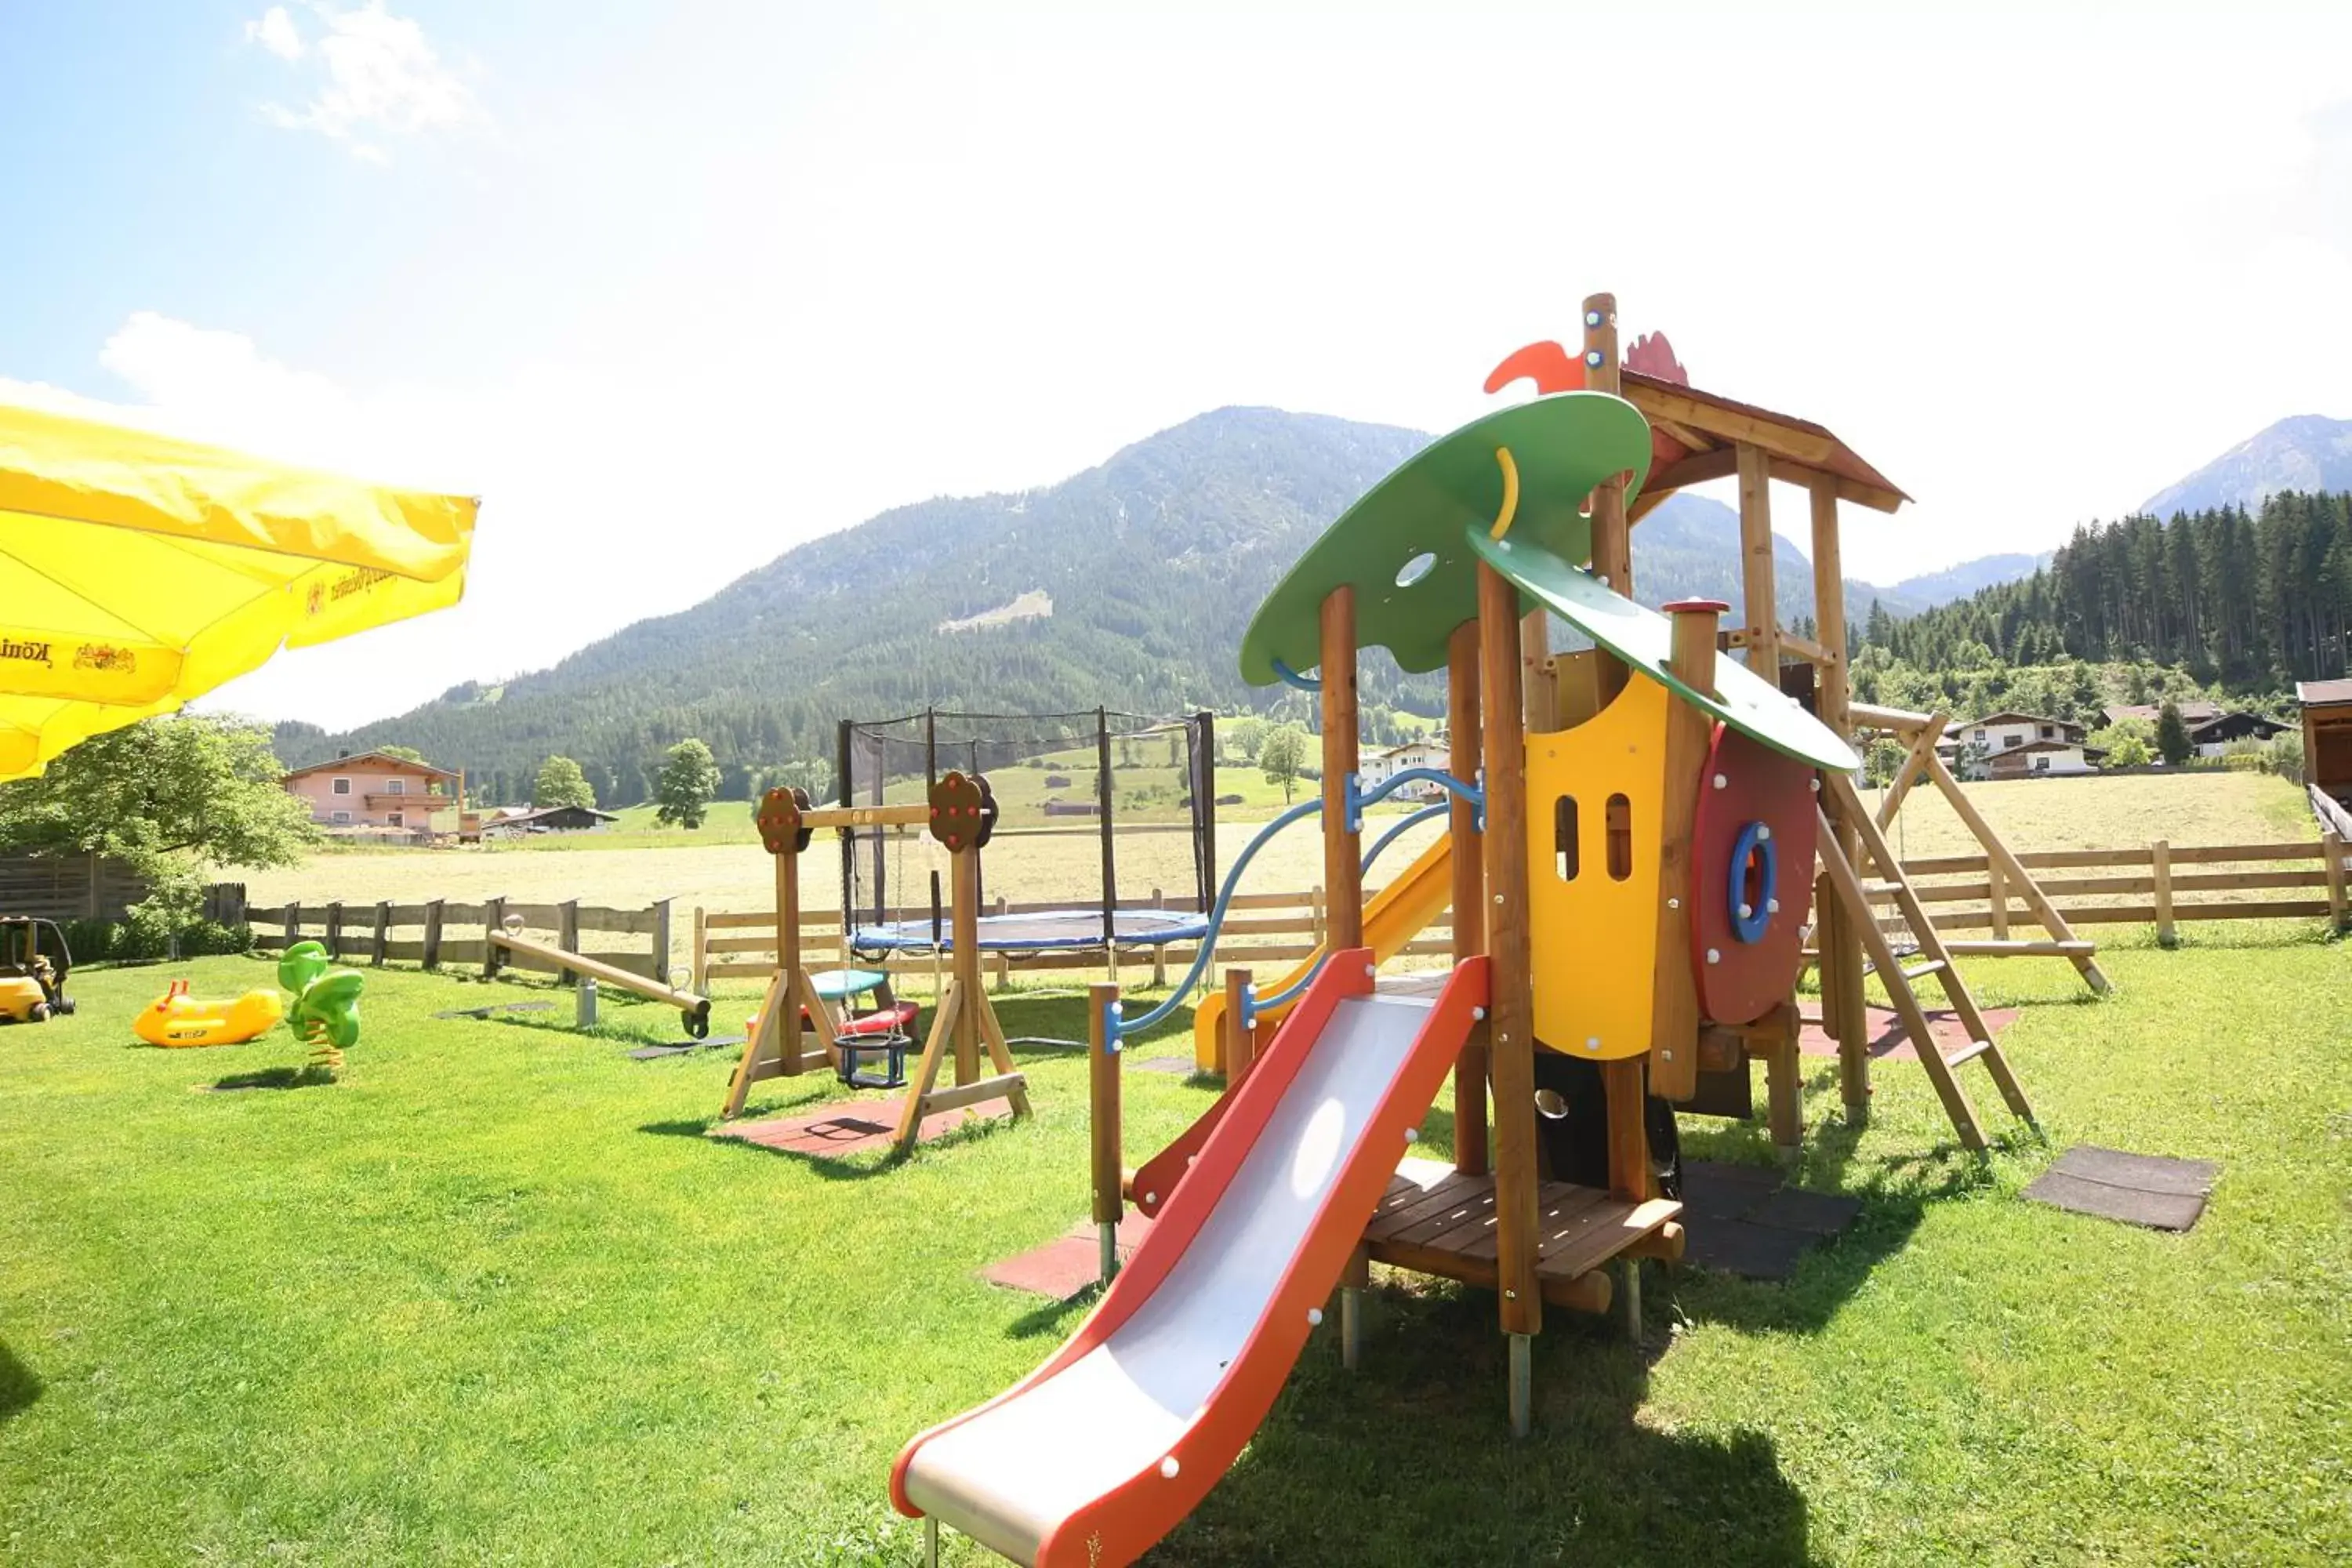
<point x="2327" y="736"/>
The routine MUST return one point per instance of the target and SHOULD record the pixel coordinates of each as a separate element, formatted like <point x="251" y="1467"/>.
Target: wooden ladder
<point x="1934" y="962"/>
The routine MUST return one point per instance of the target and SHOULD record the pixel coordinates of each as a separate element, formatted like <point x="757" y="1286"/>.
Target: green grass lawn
<point x="493" y="1297"/>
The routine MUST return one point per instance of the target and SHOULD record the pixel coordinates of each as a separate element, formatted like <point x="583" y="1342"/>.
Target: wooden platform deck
<point x="1435" y="1222"/>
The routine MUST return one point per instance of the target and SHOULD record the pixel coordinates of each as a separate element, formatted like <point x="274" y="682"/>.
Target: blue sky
<point x="676" y="286"/>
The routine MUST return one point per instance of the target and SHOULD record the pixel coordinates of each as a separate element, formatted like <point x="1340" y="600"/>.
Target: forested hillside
<point x="1127" y="585"/>
<point x="2250" y="602"/>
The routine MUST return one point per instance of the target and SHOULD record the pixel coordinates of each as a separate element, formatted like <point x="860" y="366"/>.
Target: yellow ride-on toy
<point x="34" y="964"/>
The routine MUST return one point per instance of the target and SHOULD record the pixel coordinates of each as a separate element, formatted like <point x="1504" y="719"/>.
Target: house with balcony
<point x="2211" y="726"/>
<point x="369" y="790"/>
<point x="2024" y="745"/>
<point x="1377" y="767"/>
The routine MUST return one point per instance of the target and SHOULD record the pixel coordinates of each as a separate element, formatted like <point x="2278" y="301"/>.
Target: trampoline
<point x="1048" y="932"/>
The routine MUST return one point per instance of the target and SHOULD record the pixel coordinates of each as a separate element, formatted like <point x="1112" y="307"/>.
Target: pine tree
<point x="2172" y="735"/>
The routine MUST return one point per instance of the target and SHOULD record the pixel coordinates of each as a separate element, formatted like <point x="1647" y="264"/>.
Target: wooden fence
<point x="69" y="886"/>
<point x="1260" y="928"/>
<point x="444" y="931"/>
<point x="2153" y="884"/>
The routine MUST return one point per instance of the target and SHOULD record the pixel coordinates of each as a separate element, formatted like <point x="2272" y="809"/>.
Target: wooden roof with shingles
<point x="1695" y="436"/>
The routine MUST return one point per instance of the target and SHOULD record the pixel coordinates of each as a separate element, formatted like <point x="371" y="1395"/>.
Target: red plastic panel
<point x="1759" y="786"/>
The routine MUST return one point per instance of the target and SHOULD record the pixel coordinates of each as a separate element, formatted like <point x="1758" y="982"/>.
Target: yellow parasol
<point x="137" y="572"/>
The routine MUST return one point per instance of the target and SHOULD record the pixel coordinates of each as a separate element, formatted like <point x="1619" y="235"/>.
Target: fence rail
<point x="446" y="931"/>
<point x="2145" y="887"/>
<point x="2155" y="884"/>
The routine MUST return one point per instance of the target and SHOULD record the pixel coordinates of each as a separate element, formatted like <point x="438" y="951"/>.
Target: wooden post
<point x="379" y="949"/>
<point x="1102" y="1103"/>
<point x="1784" y="1081"/>
<point x="2014" y="870"/>
<point x="1469" y="916"/>
<point x="567" y="936"/>
<point x="293" y="926"/>
<point x="2160" y="854"/>
<point x="1317" y="929"/>
<point x="660" y="941"/>
<point x="698" y="961"/>
<point x="1238" y="1047"/>
<point x="2331" y="851"/>
<point x="1997" y="894"/>
<point x="433" y="935"/>
<point x="964" y="915"/>
<point x="785" y="991"/>
<point x="1757" y="589"/>
<point x="1511" y="1004"/>
<point x="1342" y="850"/>
<point x="1003" y="963"/>
<point x="335" y="930"/>
<point x="494" y="920"/>
<point x="1613" y="544"/>
<point x="1844" y="1011"/>
<point x="1674" y="993"/>
<point x="1159" y="948"/>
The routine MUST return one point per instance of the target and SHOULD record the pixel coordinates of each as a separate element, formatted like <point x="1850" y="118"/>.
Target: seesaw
<point x="694" y="1010"/>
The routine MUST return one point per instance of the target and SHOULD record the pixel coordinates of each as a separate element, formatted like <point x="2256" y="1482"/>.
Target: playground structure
<point x="1633" y="832"/>
<point x="177" y="1020"/>
<point x="915" y="749"/>
<point x="507" y="940"/>
<point x="959" y="814"/>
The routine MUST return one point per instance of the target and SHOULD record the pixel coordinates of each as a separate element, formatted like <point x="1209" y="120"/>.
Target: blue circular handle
<point x="1748" y="920"/>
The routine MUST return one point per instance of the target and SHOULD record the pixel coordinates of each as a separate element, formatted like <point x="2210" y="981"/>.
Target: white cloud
<point x="374" y="72"/>
<point x="276" y="33"/>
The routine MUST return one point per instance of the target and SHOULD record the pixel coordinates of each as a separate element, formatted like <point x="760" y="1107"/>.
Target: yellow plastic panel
<point x="1595" y="935"/>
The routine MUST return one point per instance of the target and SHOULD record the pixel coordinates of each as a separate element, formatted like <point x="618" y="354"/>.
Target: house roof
<point x="2312" y="693"/>
<point x="2199" y="726"/>
<point x="2030" y="746"/>
<point x="520" y="818"/>
<point x="2196" y="710"/>
<point x="1695" y="436"/>
<point x="343" y="764"/>
<point x="2006" y="718"/>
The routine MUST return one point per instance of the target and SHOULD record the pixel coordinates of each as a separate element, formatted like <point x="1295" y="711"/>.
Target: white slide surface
<point x="1113" y="1441"/>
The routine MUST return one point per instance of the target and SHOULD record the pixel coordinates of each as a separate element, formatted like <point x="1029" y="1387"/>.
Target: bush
<point x="95" y="940"/>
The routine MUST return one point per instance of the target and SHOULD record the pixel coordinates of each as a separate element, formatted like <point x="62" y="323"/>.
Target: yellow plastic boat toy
<point x="179" y="1020"/>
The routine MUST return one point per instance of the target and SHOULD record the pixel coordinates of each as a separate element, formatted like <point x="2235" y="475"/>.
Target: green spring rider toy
<point x="326" y="1011"/>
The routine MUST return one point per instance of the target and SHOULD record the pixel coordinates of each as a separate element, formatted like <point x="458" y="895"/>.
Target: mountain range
<point x="2308" y="452"/>
<point x="1127" y="585"/>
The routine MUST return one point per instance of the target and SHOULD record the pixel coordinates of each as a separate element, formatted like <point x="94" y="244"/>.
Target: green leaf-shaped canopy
<point x="1403" y="548"/>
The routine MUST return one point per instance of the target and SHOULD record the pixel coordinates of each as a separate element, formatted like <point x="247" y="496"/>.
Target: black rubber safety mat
<point x="683" y="1048"/>
<point x="1739" y="1219"/>
<point x="498" y="1007"/>
<point x="2153" y="1190"/>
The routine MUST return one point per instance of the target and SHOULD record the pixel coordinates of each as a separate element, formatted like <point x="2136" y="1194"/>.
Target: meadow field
<point x="721" y="867"/>
<point x="493" y="1295"/>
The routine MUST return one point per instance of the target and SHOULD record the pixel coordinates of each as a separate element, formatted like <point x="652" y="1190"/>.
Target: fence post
<point x="1159" y="948"/>
<point x="1314" y="914"/>
<point x="567" y="936"/>
<point x="433" y="934"/>
<point x="383" y="933"/>
<point x="293" y="926"/>
<point x="335" y="931"/>
<point x="2331" y="845"/>
<point x="661" y="940"/>
<point x="494" y="919"/>
<point x="1002" y="964"/>
<point x="2160" y="852"/>
<point x="700" y="960"/>
<point x="1999" y="892"/>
